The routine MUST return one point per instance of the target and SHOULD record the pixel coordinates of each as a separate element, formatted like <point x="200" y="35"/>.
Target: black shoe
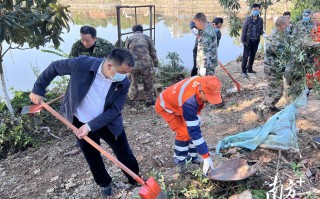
<point x="106" y="191"/>
<point x="274" y="110"/>
<point x="245" y="75"/>
<point x="316" y="140"/>
<point x="251" y="71"/>
<point x="150" y="103"/>
<point x="216" y="106"/>
<point x="259" y="113"/>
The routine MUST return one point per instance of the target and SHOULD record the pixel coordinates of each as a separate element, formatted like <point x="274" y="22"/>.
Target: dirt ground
<point x="46" y="173"/>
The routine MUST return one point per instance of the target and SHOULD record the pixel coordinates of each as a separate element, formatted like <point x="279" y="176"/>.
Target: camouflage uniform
<point x="145" y="55"/>
<point x="274" y="70"/>
<point x="207" y="50"/>
<point x="303" y="28"/>
<point x="100" y="49"/>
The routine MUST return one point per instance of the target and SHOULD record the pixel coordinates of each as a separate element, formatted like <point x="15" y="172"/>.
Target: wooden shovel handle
<point x="54" y="100"/>
<point x="95" y="145"/>
<point x="225" y="70"/>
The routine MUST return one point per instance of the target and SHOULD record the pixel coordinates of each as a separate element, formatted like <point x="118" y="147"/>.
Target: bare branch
<point x="7" y="49"/>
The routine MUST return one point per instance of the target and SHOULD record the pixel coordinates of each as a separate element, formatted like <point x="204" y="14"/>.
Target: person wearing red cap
<point x="180" y="106"/>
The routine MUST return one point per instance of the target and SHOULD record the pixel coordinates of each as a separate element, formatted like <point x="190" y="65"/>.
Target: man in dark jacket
<point x="252" y="29"/>
<point x="217" y="23"/>
<point x="93" y="103"/>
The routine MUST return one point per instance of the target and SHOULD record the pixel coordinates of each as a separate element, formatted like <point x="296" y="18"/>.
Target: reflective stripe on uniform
<point x="179" y="148"/>
<point x="179" y="157"/>
<point x="191" y="145"/>
<point x="193" y="123"/>
<point x="162" y="104"/>
<point x="192" y="154"/>
<point x="198" y="141"/>
<point x="182" y="89"/>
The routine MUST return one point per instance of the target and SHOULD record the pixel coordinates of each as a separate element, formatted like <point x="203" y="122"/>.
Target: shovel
<point x="150" y="189"/>
<point x="234" y="170"/>
<point x="36" y="108"/>
<point x="225" y="70"/>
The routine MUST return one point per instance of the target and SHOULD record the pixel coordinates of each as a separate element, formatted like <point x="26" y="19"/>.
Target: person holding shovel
<point x="180" y="106"/>
<point x="93" y="102"/>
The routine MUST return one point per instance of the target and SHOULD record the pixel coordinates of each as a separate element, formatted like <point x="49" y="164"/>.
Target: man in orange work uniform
<point x="180" y="106"/>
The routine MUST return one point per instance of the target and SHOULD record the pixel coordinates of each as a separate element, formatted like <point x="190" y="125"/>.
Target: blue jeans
<point x="120" y="148"/>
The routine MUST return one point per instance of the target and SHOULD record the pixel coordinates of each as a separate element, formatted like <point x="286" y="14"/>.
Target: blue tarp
<point x="279" y="132"/>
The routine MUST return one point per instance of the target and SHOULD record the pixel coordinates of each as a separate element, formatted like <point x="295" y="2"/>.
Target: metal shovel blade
<point x="31" y="109"/>
<point x="234" y="169"/>
<point x="37" y="107"/>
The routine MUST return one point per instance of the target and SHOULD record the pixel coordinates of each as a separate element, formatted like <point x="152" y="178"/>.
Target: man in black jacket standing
<point x="252" y="29"/>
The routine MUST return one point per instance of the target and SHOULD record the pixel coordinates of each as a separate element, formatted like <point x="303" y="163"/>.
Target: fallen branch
<point x="48" y="131"/>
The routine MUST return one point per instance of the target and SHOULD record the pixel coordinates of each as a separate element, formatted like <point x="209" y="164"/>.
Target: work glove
<point x="265" y="35"/>
<point x="195" y="31"/>
<point x="207" y="164"/>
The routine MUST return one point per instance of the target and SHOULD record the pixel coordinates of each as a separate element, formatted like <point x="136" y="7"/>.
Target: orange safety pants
<point x="176" y="122"/>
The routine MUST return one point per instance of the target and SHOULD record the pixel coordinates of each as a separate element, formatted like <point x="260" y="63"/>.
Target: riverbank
<point x="47" y="173"/>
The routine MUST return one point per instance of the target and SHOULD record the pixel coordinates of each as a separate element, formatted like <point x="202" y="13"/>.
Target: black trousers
<point x="194" y="70"/>
<point x="249" y="51"/>
<point x="120" y="148"/>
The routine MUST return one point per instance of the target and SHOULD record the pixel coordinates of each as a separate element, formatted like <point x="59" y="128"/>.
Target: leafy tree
<point x="232" y="6"/>
<point x="299" y="6"/>
<point x="32" y="22"/>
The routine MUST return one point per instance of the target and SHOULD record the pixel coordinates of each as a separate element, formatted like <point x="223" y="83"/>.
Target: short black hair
<point x="201" y="17"/>
<point x="256" y="5"/>
<point x="217" y="20"/>
<point x="121" y="55"/>
<point x="137" y="27"/>
<point x="88" y="30"/>
<point x="286" y="13"/>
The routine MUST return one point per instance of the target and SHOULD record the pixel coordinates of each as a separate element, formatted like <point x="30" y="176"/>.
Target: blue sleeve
<point x="190" y="110"/>
<point x="57" y="68"/>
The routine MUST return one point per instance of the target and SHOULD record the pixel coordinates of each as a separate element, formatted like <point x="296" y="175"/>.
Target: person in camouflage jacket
<point x="274" y="69"/>
<point x="90" y="44"/>
<point x="207" y="56"/>
<point x="145" y="55"/>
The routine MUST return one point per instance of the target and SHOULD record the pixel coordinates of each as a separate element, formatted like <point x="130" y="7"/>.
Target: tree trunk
<point x="4" y="90"/>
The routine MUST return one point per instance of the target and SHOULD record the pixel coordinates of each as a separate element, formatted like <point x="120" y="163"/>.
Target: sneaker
<point x="106" y="191"/>
<point x="316" y="140"/>
<point x="251" y="71"/>
<point x="259" y="113"/>
<point x="245" y="75"/>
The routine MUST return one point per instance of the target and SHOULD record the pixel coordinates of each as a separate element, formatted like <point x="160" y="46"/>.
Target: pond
<point x="171" y="25"/>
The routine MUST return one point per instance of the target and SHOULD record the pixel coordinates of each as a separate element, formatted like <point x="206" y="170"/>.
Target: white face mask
<point x="118" y="77"/>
